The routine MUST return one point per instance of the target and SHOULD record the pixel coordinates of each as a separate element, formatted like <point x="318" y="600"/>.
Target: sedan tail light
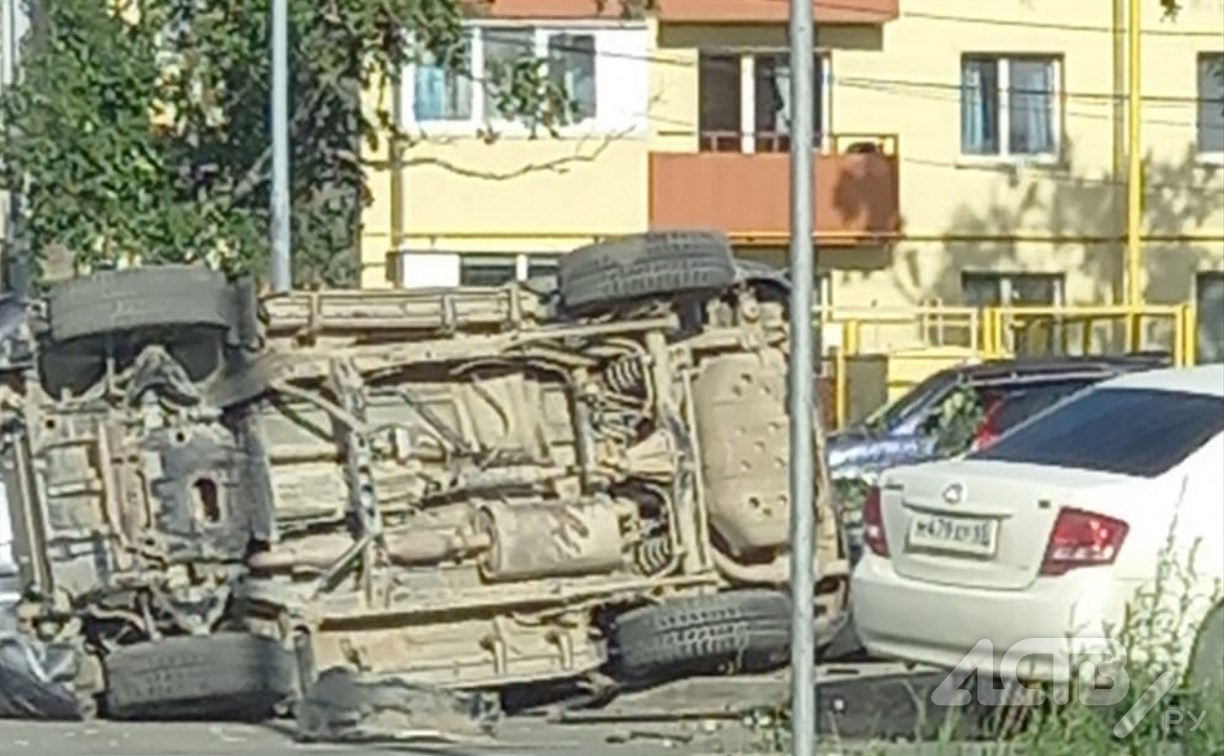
<point x="873" y="524"/>
<point x="1082" y="539"/>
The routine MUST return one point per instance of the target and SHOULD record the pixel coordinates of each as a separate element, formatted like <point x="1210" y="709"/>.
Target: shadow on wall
<point x="1182" y="197"/>
<point x="866" y="195"/>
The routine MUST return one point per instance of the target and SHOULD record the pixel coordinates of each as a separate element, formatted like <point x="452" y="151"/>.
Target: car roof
<point x="1055" y="366"/>
<point x="1202" y="379"/>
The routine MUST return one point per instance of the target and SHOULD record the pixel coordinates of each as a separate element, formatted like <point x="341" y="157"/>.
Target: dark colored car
<point x="1008" y="391"/>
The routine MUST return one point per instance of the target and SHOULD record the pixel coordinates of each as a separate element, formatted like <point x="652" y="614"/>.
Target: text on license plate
<point x="964" y="535"/>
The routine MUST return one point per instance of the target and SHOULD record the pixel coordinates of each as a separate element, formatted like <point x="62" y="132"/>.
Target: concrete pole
<point x="281" y="274"/>
<point x="802" y="378"/>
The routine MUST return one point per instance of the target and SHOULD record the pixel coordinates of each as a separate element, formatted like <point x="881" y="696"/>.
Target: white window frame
<point x="747" y="59"/>
<point x="1005" y="155"/>
<point x="480" y="123"/>
<point x="1215" y="157"/>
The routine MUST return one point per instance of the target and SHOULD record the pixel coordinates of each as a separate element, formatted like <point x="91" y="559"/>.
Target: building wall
<point x="974" y="215"/>
<point x="497" y="189"/>
<point x="959" y="215"/>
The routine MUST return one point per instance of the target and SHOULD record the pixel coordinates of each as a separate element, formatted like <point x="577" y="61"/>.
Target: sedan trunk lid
<point x="983" y="524"/>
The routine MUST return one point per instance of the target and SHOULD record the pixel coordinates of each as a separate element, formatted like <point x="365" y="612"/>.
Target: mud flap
<point x="37" y="679"/>
<point x="343" y="706"/>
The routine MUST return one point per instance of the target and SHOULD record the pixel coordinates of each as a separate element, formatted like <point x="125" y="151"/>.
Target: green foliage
<point x="104" y="180"/>
<point x="956" y="420"/>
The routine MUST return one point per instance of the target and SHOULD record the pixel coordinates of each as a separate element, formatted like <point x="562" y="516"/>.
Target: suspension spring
<point x="627" y="375"/>
<point x="653" y="555"/>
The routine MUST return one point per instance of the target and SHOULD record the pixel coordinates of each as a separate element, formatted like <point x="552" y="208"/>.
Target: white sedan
<point x="1032" y="550"/>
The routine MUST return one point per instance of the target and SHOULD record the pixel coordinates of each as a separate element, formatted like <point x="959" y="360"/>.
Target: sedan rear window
<point x="1139" y="432"/>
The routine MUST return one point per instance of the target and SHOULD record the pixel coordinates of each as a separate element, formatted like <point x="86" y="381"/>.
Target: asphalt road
<point x="857" y="706"/>
<point x="202" y="739"/>
<point x="517" y="739"/>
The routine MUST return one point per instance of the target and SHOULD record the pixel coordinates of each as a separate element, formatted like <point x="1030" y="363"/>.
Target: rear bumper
<point x="1035" y="634"/>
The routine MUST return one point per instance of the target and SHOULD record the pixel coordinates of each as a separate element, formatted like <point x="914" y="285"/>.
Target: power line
<point x="897" y="85"/>
<point x="887" y="86"/>
<point x="730" y="61"/>
<point x="1050" y="25"/>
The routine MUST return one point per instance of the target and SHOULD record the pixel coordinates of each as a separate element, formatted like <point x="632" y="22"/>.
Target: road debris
<point x="37" y="679"/>
<point x="343" y="706"/>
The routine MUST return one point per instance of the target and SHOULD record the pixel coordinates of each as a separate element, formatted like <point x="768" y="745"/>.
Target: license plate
<point x="962" y="535"/>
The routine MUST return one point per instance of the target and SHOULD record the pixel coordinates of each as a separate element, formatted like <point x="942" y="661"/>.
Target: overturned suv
<point x="216" y="496"/>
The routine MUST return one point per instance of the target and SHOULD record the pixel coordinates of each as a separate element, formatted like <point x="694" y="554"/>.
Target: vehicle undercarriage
<point x="469" y="488"/>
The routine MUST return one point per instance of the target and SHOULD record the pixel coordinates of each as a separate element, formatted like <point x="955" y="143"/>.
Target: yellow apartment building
<point x="968" y="153"/>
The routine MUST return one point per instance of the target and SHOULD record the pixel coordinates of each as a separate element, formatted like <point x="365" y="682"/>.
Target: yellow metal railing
<point x="1088" y="330"/>
<point x="1003" y="332"/>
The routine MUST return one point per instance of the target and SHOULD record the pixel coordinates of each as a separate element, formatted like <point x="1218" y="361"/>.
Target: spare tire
<point x="645" y="265"/>
<point x="228" y="675"/>
<point x="745" y="630"/>
<point x="172" y="296"/>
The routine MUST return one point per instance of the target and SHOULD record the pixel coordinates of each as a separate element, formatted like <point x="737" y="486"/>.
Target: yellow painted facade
<point x="974" y="215"/>
<point x="519" y="195"/>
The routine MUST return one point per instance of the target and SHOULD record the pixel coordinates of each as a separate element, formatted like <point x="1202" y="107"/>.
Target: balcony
<point x="747" y="194"/>
<point x="870" y="12"/>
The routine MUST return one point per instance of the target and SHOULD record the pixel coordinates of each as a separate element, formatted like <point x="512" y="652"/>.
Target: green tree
<point x="139" y="126"/>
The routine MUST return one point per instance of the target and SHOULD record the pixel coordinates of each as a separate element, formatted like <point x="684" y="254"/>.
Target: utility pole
<point x="281" y="274"/>
<point x="802" y="377"/>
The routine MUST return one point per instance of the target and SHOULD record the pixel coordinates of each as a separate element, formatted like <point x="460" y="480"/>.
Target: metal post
<point x="282" y="278"/>
<point x="1134" y="174"/>
<point x="802" y="377"/>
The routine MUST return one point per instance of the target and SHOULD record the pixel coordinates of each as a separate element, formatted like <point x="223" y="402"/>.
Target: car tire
<point x="171" y="296"/>
<point x="743" y="630"/>
<point x="645" y="265"/>
<point x="225" y="675"/>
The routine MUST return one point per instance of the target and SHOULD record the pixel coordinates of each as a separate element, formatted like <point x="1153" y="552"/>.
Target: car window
<point x="1140" y="432"/>
<point x="892" y="416"/>
<point x="1022" y="401"/>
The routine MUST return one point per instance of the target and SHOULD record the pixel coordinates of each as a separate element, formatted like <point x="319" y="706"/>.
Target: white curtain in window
<point x="1031" y="107"/>
<point x="979" y="106"/>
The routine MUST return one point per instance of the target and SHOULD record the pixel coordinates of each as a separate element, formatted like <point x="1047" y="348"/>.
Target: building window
<point x="569" y="64"/>
<point x="486" y="270"/>
<point x="1010" y="106"/>
<point x="442" y="92"/>
<point x="541" y="265"/>
<point x="1209" y="301"/>
<point x="604" y="73"/>
<point x="571" y="69"/>
<point x="1012" y="289"/>
<point x="744" y="101"/>
<point x="499" y="270"/>
<point x="1210" y="126"/>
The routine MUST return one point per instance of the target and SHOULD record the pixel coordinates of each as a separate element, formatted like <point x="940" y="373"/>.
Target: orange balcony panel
<point x="774" y="11"/>
<point x="855" y="196"/>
